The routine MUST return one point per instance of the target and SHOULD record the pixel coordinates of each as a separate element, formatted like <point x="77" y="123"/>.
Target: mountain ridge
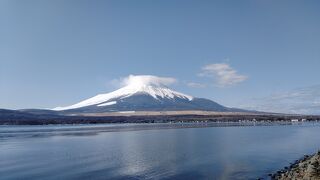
<point x="155" y="91"/>
<point x="142" y="95"/>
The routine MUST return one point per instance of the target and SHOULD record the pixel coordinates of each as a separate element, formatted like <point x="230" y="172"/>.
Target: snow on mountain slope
<point x="108" y="103"/>
<point x="147" y="85"/>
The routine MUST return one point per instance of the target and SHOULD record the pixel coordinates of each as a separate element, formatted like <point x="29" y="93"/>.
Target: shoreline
<point x="308" y="167"/>
<point x="11" y="117"/>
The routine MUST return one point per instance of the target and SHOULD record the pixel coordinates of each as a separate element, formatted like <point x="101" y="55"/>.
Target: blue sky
<point x="238" y="53"/>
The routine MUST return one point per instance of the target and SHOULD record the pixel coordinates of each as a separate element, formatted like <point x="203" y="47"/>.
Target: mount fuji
<point x="144" y="93"/>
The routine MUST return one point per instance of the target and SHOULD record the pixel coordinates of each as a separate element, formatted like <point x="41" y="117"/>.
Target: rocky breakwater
<point x="307" y="168"/>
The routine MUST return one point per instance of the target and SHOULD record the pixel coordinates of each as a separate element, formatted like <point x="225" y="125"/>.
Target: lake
<point x="153" y="151"/>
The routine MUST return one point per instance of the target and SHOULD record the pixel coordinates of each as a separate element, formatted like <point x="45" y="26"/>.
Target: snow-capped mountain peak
<point x="143" y="93"/>
<point x="141" y="85"/>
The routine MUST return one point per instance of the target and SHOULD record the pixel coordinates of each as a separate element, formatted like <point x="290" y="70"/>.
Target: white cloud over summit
<point x="138" y="80"/>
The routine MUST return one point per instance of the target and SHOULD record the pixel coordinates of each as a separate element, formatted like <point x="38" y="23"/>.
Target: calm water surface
<point x="152" y="151"/>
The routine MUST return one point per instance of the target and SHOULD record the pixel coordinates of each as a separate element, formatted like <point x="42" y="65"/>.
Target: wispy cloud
<point x="223" y="74"/>
<point x="299" y="101"/>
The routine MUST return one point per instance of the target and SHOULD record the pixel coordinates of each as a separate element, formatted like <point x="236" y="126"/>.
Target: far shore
<point x="170" y="113"/>
<point x="14" y="117"/>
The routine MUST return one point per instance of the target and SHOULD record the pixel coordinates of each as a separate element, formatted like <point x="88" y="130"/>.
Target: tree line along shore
<point x="11" y="117"/>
